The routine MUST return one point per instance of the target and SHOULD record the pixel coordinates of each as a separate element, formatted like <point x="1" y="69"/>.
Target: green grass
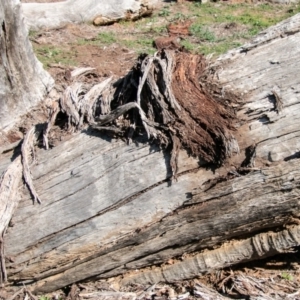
<point x="54" y="55"/>
<point x="202" y="33"/>
<point x="287" y="276"/>
<point x="249" y="19"/>
<point x="106" y="38"/>
<point x="159" y="29"/>
<point x="293" y="10"/>
<point x="178" y="17"/>
<point x="209" y="33"/>
<point x="192" y="47"/>
<point x="218" y="48"/>
<point x="32" y="33"/>
<point x="140" y="45"/>
<point x="44" y="298"/>
<point x="102" y="39"/>
<point x="165" y="12"/>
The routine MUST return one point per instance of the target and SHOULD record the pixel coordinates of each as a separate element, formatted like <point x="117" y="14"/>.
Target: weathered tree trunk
<point x="23" y="82"/>
<point x="101" y="12"/>
<point x="108" y="208"/>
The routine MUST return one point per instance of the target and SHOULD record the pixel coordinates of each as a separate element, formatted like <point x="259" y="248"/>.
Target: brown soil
<point x="107" y="60"/>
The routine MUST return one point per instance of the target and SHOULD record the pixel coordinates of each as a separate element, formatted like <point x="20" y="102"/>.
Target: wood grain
<point x="23" y="81"/>
<point x="109" y="207"/>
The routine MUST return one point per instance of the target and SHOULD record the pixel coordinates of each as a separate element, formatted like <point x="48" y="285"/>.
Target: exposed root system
<point x="162" y="95"/>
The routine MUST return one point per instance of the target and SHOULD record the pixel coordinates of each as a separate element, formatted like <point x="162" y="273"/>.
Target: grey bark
<point x="23" y="81"/>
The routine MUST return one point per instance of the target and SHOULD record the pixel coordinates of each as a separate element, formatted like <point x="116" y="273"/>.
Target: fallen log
<point x="58" y="14"/>
<point x="108" y="208"/>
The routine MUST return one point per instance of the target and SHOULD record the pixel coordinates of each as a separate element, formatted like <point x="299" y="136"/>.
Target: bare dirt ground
<point x="83" y="45"/>
<point x="107" y="60"/>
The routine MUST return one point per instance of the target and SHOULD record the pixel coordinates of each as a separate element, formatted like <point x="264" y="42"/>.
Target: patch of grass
<point x="125" y="22"/>
<point x="202" y="33"/>
<point x="216" y="28"/>
<point x="255" y="20"/>
<point x="103" y="38"/>
<point x="209" y="34"/>
<point x="140" y="45"/>
<point x="165" y="12"/>
<point x="159" y="29"/>
<point x="287" y="276"/>
<point x="253" y="31"/>
<point x="149" y="23"/>
<point x="189" y="46"/>
<point x="50" y="54"/>
<point x="32" y="33"/>
<point x="82" y="41"/>
<point x="179" y="17"/>
<point x="218" y="48"/>
<point x="106" y="38"/>
<point x="208" y="9"/>
<point x="262" y="14"/>
<point x="293" y="10"/>
<point x="44" y="298"/>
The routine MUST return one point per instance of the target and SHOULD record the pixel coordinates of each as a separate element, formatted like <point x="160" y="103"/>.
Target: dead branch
<point x="27" y="151"/>
<point x="91" y="97"/>
<point x="53" y="114"/>
<point x="71" y="103"/>
<point x="81" y="71"/>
